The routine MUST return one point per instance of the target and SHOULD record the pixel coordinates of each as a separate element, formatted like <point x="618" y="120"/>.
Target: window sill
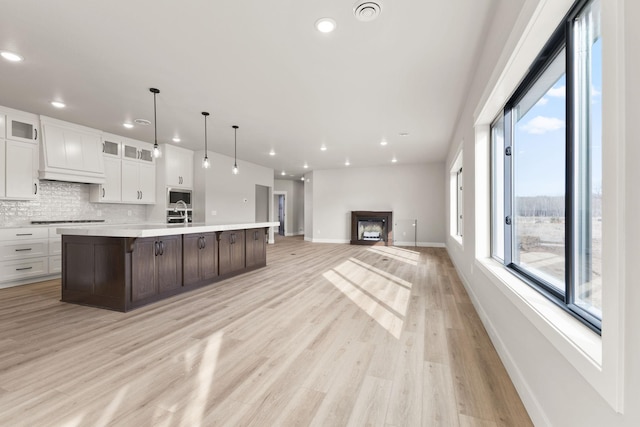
<point x="457" y="239"/>
<point x="576" y="342"/>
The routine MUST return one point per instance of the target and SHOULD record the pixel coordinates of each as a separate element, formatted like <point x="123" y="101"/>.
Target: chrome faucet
<point x="185" y="216"/>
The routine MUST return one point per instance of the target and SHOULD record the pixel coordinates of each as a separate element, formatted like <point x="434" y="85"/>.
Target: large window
<point x="546" y="162"/>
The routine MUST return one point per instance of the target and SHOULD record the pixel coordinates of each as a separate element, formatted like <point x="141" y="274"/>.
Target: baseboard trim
<point x="531" y="403"/>
<point x="420" y="244"/>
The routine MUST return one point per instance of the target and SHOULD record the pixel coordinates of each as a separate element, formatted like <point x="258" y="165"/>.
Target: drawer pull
<point x="24" y="234"/>
<point x="23" y="250"/>
<point x="23" y="268"/>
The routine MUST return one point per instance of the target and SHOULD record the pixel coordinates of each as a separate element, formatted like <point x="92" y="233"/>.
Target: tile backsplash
<point x="66" y="201"/>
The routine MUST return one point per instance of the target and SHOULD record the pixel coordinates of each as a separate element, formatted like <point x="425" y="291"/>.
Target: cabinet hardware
<point x="23" y="268"/>
<point x="507" y="220"/>
<point x="24" y="234"/>
<point x="35" y="188"/>
<point x="157" y="248"/>
<point x="103" y="192"/>
<point x="35" y="134"/>
<point x="23" y="250"/>
<point x="161" y="248"/>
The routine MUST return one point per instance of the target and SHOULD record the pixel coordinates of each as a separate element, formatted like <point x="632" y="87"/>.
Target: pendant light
<point x="156" y="149"/>
<point x="235" y="150"/>
<point x="205" y="160"/>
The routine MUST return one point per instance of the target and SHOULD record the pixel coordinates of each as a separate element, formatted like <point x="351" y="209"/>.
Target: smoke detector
<point x="367" y="10"/>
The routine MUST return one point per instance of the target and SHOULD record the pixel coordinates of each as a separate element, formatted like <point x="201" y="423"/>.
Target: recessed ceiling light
<point x="10" y="56"/>
<point x="347" y="163"/>
<point x="283" y="173"/>
<point x="325" y="25"/>
<point x="323" y="147"/>
<point x="143" y="122"/>
<point x="176" y="139"/>
<point x="302" y="178"/>
<point x="58" y="104"/>
<point x="128" y="125"/>
<point x="272" y="153"/>
<point x="394" y="160"/>
<point x="404" y="134"/>
<point x="383" y="143"/>
<point x="306" y="166"/>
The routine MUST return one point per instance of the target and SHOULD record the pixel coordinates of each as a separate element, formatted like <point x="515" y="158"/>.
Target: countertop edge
<point x="146" y="230"/>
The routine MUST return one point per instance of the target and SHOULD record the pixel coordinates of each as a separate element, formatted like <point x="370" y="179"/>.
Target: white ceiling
<point x="258" y="64"/>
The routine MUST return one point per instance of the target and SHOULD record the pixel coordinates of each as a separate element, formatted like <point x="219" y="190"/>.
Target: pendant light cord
<point x="235" y="146"/>
<point x="155" y="122"/>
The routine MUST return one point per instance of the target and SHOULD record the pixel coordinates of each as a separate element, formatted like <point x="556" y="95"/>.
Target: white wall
<point x="294" y="216"/>
<point x="411" y="192"/>
<point x="309" y="180"/>
<point x="228" y="198"/>
<point x="559" y="385"/>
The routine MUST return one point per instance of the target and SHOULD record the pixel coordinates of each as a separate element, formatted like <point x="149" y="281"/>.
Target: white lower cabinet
<point x="22" y="269"/>
<point x="29" y="253"/>
<point x="55" y="264"/>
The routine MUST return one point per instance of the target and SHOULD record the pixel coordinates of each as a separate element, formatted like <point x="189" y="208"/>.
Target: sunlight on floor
<point x="194" y="412"/>
<point x="383" y="296"/>
<point x="107" y="416"/>
<point x="399" y="254"/>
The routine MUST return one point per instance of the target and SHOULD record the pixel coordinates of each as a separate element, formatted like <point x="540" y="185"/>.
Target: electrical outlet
<point x="214" y="213"/>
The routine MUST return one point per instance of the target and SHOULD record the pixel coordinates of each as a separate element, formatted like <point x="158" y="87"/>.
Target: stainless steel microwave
<point x="175" y="194"/>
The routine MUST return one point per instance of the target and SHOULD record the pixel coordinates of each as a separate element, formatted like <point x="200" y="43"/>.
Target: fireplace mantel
<point x="374" y="221"/>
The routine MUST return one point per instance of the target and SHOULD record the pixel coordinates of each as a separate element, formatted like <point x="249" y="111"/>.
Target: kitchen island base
<point x="123" y="273"/>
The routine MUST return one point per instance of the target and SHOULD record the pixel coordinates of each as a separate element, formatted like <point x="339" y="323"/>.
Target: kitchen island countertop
<point x="158" y="229"/>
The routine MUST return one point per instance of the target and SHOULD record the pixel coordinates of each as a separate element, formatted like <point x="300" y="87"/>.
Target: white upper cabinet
<point x="3" y="166"/>
<point x="22" y="127"/>
<point x="138" y="182"/>
<point x="71" y="152"/>
<point x="130" y="172"/>
<point x="111" y="146"/>
<point x="21" y="170"/>
<point x="138" y="151"/>
<point x="18" y="155"/>
<point x="111" y="190"/>
<point x="178" y="166"/>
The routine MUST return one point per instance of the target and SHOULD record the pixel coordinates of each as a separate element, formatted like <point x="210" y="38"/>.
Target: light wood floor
<point x="325" y="335"/>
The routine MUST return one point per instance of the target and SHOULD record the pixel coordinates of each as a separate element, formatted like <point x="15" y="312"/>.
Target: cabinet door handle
<point x="156" y="247"/>
<point x="24" y="234"/>
<point x="23" y="268"/>
<point x="102" y="191"/>
<point x="204" y="242"/>
<point x="140" y="195"/>
<point x="35" y="188"/>
<point x="23" y="250"/>
<point x="35" y="134"/>
<point x="161" y="248"/>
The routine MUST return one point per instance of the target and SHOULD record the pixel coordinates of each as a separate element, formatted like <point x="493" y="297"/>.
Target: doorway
<point x="281" y="214"/>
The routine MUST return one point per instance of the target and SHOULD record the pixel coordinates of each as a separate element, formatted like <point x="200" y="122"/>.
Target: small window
<point x="457" y="198"/>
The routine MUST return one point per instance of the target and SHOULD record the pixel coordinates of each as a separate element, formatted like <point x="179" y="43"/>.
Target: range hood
<point x="70" y="152"/>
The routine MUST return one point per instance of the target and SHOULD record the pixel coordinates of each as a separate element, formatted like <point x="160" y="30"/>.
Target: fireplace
<point x="371" y="228"/>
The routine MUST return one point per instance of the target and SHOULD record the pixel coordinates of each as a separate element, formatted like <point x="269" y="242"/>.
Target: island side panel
<point x="93" y="271"/>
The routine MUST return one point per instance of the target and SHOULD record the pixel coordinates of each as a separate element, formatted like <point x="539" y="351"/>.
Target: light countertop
<point x="159" y="229"/>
